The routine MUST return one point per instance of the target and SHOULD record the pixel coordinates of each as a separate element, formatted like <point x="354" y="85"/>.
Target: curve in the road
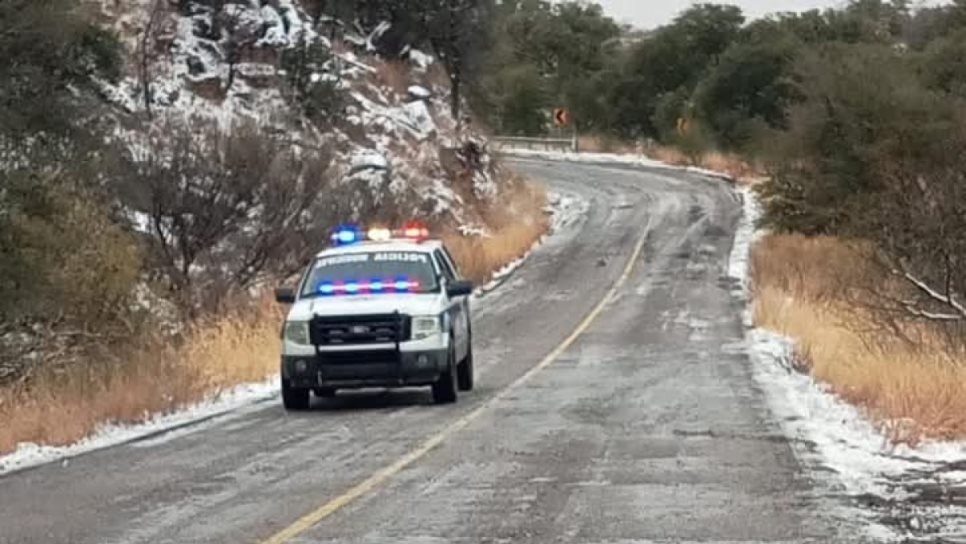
<point x="647" y="427"/>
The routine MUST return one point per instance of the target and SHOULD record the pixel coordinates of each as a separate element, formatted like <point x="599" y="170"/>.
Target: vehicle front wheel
<point x="444" y="390"/>
<point x="464" y="372"/>
<point x="294" y="399"/>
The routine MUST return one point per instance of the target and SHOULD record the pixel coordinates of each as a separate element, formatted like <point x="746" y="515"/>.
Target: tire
<point x="325" y="392"/>
<point x="444" y="390"/>
<point x="294" y="399"/>
<point x="464" y="372"/>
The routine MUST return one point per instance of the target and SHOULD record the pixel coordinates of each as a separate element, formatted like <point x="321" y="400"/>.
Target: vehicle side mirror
<point x="459" y="289"/>
<point x="285" y="295"/>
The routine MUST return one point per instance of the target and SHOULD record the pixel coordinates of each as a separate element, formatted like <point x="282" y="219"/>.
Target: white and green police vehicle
<point x="379" y="309"/>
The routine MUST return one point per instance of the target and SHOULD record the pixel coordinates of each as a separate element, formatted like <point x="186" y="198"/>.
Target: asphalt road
<point x="648" y="427"/>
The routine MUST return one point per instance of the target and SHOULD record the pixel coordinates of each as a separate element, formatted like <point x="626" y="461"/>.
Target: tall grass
<point x="515" y="225"/>
<point x="727" y="163"/>
<point x="742" y="170"/>
<point x="58" y="409"/>
<point x="804" y="288"/>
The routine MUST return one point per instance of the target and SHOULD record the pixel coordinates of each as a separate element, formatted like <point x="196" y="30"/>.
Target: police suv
<point x="378" y="309"/>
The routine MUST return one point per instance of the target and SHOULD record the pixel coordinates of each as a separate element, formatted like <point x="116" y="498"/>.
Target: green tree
<point x="863" y="108"/>
<point x="944" y="64"/>
<point x="751" y="86"/>
<point x="564" y="46"/>
<point x="674" y="57"/>
<point x="50" y="53"/>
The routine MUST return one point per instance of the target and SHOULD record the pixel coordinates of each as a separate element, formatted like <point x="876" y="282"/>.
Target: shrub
<point x="223" y="209"/>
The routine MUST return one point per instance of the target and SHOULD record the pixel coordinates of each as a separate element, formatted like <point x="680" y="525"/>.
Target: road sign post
<point x="562" y="120"/>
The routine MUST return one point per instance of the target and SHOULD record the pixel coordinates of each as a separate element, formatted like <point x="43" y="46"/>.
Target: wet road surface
<point x="648" y="427"/>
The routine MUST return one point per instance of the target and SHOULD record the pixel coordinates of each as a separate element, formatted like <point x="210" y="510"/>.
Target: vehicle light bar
<point x="353" y="287"/>
<point x="345" y="235"/>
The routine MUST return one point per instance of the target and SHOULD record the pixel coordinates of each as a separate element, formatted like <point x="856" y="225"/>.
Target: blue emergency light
<point x="346" y="235"/>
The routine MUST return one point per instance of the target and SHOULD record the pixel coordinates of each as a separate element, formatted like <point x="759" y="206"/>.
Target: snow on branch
<point x="935" y="295"/>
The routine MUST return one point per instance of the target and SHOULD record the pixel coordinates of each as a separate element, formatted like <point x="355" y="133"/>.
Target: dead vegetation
<point x="743" y="171"/>
<point x="727" y="163"/>
<point x="908" y="374"/>
<point x="61" y="407"/>
<point x="514" y="226"/>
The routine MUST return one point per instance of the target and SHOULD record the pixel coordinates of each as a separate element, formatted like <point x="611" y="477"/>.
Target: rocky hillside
<point x="315" y="80"/>
<point x="222" y="140"/>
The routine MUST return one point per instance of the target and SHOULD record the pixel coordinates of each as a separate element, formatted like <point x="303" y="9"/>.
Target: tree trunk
<point x="455" y="82"/>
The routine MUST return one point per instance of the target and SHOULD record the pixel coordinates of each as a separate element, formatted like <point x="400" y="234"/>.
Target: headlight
<point x="297" y="332"/>
<point x="426" y="326"/>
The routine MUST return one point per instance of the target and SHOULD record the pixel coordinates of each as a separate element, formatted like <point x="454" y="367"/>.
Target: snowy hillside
<point x="391" y="130"/>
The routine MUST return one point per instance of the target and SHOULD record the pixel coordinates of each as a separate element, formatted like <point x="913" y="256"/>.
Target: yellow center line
<point x="383" y="475"/>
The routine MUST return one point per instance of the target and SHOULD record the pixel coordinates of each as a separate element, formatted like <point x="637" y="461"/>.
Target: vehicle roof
<point x="419" y="246"/>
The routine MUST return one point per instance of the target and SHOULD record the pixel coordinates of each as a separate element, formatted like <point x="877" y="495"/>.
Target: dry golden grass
<point x="58" y="410"/>
<point x="913" y="392"/>
<point x="514" y="228"/>
<point x="602" y="143"/>
<point x="741" y="170"/>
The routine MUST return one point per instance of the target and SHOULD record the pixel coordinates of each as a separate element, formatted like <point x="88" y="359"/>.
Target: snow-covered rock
<point x="368" y="159"/>
<point x="419" y="93"/>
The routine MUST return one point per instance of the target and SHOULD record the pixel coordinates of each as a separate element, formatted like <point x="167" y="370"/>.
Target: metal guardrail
<point x="543" y="144"/>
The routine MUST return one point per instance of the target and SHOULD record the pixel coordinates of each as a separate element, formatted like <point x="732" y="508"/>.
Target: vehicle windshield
<point x="375" y="272"/>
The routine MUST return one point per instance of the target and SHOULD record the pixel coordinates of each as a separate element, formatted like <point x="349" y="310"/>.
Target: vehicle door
<point x="458" y="309"/>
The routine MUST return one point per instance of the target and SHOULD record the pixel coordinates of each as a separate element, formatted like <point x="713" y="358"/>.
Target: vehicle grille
<point x="359" y="329"/>
<point x="357" y="357"/>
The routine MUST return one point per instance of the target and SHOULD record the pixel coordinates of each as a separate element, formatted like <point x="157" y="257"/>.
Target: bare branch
<point x="937" y="296"/>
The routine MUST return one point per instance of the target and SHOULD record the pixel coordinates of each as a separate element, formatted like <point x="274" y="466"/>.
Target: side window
<point x="445" y="266"/>
<point x="452" y="264"/>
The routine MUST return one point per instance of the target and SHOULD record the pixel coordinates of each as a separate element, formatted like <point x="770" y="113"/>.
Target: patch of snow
<point x="565" y="209"/>
<point x="473" y="230"/>
<point x="484" y="185"/>
<point x="570" y="156"/>
<point x="368" y="159"/>
<point x="501" y="275"/>
<point x="443" y="196"/>
<point x="29" y="455"/>
<point x="418" y="116"/>
<point x="419" y="93"/>
<point x="413" y="118"/>
<point x="141" y="221"/>
<point x="377" y="33"/>
<point x="276" y="34"/>
<point x="419" y="59"/>
<point x="745" y="237"/>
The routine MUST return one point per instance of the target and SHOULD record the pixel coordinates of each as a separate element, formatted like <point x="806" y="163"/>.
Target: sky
<point x="652" y="13"/>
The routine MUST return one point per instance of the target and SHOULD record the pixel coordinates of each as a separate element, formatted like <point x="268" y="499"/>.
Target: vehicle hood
<point x="423" y="304"/>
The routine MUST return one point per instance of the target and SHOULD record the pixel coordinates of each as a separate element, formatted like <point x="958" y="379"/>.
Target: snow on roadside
<point x="30" y="455"/>
<point x="852" y="456"/>
<point x="564" y="210"/>
<point x="606" y="158"/>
